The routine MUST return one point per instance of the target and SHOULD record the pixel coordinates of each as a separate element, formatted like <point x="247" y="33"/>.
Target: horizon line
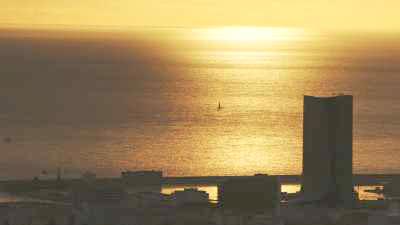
<point x="101" y="28"/>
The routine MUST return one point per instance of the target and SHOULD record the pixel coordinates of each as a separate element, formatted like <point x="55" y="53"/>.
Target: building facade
<point x="327" y="149"/>
<point x="190" y="196"/>
<point x="141" y="178"/>
<point x="257" y="193"/>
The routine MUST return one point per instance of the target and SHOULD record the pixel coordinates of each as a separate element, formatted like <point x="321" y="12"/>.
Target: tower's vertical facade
<point x="327" y="149"/>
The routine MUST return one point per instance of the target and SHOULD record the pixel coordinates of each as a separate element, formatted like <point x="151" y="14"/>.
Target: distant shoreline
<point x="358" y="179"/>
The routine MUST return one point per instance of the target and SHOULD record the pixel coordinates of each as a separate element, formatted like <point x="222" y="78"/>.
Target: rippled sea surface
<point x="148" y="99"/>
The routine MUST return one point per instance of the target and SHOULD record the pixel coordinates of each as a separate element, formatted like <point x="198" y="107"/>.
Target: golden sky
<point x="325" y="14"/>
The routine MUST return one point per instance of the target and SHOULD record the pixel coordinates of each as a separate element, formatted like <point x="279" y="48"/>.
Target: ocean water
<point x="148" y="99"/>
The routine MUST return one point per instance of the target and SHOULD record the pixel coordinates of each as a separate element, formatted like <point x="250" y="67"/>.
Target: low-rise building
<point x="257" y="193"/>
<point x="189" y="196"/>
<point x="142" y="178"/>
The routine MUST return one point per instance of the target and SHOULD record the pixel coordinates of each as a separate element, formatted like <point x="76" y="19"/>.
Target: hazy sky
<point x="328" y="14"/>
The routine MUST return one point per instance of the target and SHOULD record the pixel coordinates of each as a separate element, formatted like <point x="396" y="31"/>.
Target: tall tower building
<point x="327" y="149"/>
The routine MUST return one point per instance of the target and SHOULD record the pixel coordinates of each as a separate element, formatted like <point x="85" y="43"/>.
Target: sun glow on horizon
<point x="251" y="34"/>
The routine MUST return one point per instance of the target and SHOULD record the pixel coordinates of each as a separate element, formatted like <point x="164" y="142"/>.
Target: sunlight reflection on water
<point x="99" y="111"/>
<point x="212" y="190"/>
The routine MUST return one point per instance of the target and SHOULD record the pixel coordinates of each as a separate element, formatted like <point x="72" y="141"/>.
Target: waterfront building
<point x="190" y="196"/>
<point x="327" y="150"/>
<point x="98" y="194"/>
<point x="257" y="193"/>
<point x="390" y="216"/>
<point x="142" y="177"/>
<point x="89" y="177"/>
<point x="149" y="199"/>
<point x="392" y="189"/>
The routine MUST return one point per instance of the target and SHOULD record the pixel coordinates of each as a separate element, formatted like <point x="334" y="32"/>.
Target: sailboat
<point x="219" y="106"/>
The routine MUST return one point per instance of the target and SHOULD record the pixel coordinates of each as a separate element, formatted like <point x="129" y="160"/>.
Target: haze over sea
<point x="147" y="99"/>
